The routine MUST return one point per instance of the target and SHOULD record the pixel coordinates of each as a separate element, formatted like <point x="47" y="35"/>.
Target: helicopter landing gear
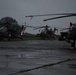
<point x="73" y="45"/>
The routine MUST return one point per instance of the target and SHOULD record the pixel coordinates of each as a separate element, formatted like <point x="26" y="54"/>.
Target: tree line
<point x="8" y="20"/>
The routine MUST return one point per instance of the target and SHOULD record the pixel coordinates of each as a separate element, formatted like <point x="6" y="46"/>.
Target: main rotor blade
<point x="39" y="27"/>
<point x="50" y="14"/>
<point x="31" y="26"/>
<point x="71" y="15"/>
<point x="42" y="27"/>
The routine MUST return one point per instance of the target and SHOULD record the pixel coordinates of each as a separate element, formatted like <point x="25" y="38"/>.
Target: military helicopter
<point x="10" y="29"/>
<point x="47" y="32"/>
<point x="70" y="35"/>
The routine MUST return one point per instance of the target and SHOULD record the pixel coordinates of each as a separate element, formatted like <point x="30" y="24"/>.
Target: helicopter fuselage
<point x="10" y="32"/>
<point x="69" y="36"/>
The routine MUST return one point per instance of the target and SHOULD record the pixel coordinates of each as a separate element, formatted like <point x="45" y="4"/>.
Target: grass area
<point x="28" y="36"/>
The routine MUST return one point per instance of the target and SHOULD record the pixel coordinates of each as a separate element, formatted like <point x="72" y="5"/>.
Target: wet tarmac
<point x="37" y="57"/>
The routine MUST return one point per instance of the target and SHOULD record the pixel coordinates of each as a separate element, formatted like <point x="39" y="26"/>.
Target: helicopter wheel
<point x="21" y="37"/>
<point x="9" y="39"/>
<point x="72" y="45"/>
<point x="42" y="38"/>
<point x="48" y="36"/>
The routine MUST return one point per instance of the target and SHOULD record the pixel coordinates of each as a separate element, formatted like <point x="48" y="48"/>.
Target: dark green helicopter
<point x="46" y="33"/>
<point x="70" y="35"/>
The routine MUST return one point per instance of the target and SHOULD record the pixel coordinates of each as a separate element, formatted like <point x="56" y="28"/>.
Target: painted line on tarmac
<point x="46" y="65"/>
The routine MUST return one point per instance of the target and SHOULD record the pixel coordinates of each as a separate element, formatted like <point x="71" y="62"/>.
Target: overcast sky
<point x="18" y="9"/>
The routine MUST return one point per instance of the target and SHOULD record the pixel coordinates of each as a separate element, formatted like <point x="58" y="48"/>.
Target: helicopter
<point x="10" y="29"/>
<point x="46" y="33"/>
<point x="70" y="35"/>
